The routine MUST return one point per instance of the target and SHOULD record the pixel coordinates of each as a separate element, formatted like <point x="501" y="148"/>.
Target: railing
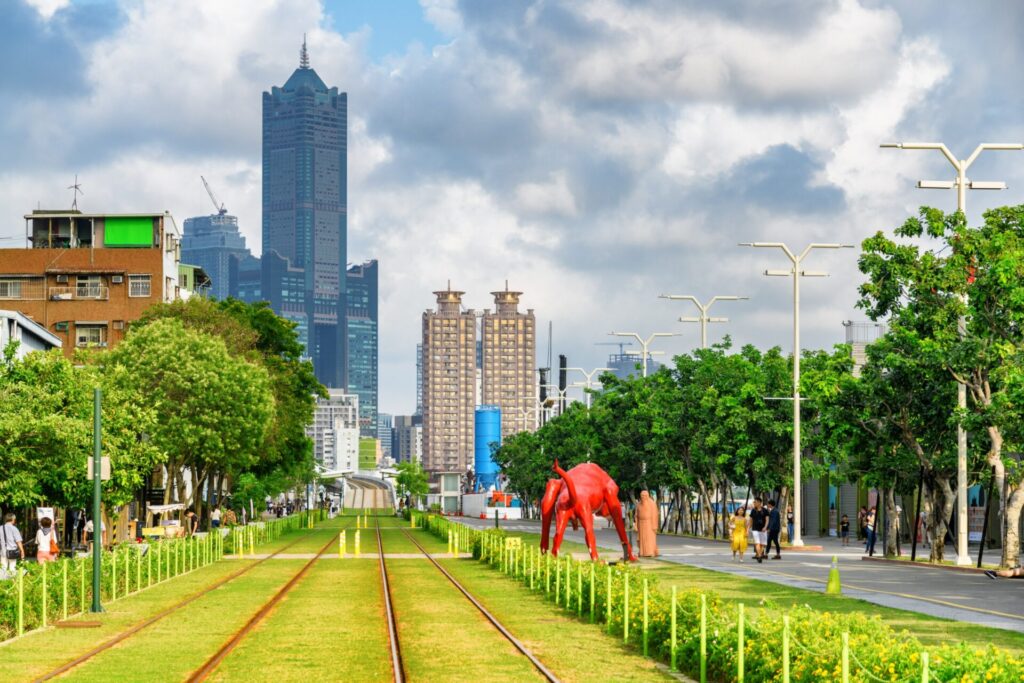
<point x="72" y="293"/>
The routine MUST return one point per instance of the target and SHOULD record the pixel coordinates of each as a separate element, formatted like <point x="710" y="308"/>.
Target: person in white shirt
<point x="11" y="544"/>
<point x="46" y="541"/>
<point x="215" y="517"/>
<point x="89" y="530"/>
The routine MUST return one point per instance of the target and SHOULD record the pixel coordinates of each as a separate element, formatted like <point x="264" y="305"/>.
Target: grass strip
<point x="546" y="630"/>
<point x="329" y="627"/>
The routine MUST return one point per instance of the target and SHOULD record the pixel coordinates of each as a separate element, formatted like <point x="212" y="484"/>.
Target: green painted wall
<point x="128" y="231"/>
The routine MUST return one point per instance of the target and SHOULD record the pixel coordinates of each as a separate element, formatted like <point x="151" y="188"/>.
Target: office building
<point x="211" y="242"/>
<point x="624" y="365"/>
<point x="407" y="438"/>
<point x="509" y="362"/>
<point x="84" y="277"/>
<point x="304" y="214"/>
<point x="335" y="431"/>
<point x="419" y="379"/>
<point x="449" y="384"/>
<point x="384" y="432"/>
<point x="361" y="316"/>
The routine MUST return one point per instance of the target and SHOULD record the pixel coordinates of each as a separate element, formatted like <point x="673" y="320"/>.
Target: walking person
<point x="191" y="523"/>
<point x="215" y="517"/>
<point x="869" y="532"/>
<point x="789" y="523"/>
<point x="759" y="529"/>
<point x="844" y="530"/>
<point x="862" y="527"/>
<point x="47" y="549"/>
<point x="738" y="524"/>
<point x="89" y="533"/>
<point x="13" y="545"/>
<point x="647" y="525"/>
<point x="774" y="529"/>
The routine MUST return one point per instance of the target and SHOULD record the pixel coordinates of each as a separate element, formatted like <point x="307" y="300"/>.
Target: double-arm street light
<point x="644" y="343"/>
<point x="590" y="379"/>
<point x="796" y="273"/>
<point x="961" y="183"/>
<point x="703" y="318"/>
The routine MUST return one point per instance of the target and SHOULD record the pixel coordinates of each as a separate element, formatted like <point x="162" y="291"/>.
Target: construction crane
<point x="622" y="346"/>
<point x="220" y="207"/>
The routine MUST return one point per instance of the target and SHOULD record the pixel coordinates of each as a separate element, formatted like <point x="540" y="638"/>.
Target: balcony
<point x="91" y="292"/>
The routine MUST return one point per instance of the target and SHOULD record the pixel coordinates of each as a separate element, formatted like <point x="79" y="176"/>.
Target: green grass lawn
<point x="574" y="651"/>
<point x="172" y="648"/>
<point x="443" y="636"/>
<point x="329" y="627"/>
<point x="928" y="629"/>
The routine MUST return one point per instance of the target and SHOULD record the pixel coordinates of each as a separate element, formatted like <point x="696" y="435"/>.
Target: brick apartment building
<point x="84" y="277"/>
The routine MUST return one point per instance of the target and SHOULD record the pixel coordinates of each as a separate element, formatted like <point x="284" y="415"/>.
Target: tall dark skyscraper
<point x="305" y="200"/>
<point x="362" y="342"/>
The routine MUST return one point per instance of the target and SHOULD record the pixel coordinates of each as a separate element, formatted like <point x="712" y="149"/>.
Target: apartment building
<point x="335" y="431"/>
<point x="509" y="362"/>
<point x="84" y="277"/>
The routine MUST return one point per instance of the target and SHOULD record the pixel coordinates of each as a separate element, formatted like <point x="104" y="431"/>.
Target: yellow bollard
<point x="357" y="549"/>
<point x="833" y="587"/>
<point x="341" y="544"/>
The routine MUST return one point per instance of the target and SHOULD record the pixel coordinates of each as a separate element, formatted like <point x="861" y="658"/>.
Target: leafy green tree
<point x="412" y="481"/>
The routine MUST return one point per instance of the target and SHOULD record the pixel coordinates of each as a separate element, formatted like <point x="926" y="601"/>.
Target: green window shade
<point x="128" y="231"/>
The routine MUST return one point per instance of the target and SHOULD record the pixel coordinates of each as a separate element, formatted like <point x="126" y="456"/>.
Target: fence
<point x="42" y="594"/>
<point x="711" y="639"/>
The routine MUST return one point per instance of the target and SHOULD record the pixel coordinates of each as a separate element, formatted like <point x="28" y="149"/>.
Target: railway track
<point x="397" y="665"/>
<point x="124" y="635"/>
<point x="525" y="651"/>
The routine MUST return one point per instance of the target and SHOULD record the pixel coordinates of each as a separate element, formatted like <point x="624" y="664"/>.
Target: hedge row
<point x="597" y="592"/>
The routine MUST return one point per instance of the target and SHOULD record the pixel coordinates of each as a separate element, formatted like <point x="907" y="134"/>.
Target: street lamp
<point x="590" y="379"/>
<point x="962" y="184"/>
<point x="644" y="343"/>
<point x="796" y="273"/>
<point x="703" y="319"/>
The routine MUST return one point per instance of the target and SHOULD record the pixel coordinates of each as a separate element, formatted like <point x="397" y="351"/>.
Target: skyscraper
<point x="305" y="203"/>
<point x="211" y="242"/>
<point x="509" y="362"/>
<point x="362" y="342"/>
<point x="449" y="384"/>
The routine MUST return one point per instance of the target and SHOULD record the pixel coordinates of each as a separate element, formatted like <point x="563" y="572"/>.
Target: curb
<point x="788" y="548"/>
<point x="923" y="565"/>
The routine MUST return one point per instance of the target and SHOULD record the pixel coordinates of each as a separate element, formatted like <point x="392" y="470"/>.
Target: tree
<point x="412" y="481"/>
<point x="213" y="411"/>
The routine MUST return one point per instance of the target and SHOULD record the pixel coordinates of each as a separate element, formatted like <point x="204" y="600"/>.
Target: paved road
<point x="961" y="596"/>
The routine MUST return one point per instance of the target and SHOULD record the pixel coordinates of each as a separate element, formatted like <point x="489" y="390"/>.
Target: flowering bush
<point x="876" y="651"/>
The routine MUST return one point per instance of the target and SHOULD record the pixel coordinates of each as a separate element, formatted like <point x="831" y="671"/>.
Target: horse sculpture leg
<point x="615" y="510"/>
<point x="561" y="521"/>
<point x="588" y="530"/>
<point x="547" y="509"/>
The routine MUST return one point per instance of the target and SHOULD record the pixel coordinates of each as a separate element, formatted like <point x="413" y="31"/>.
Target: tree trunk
<point x="1011" y="535"/>
<point x="941" y="497"/>
<point x="890" y="522"/>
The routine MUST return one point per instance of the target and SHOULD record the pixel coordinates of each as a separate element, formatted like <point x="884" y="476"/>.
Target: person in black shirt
<point x="774" y="529"/>
<point x="758" y="526"/>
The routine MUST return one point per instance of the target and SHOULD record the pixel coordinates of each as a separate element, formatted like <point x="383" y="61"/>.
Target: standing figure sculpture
<point x="647" y="525"/>
<point x="579" y="494"/>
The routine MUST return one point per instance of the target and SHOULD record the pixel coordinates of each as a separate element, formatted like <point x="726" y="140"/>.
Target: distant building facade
<point x="449" y="384"/>
<point x="305" y="200"/>
<point x="362" y="321"/>
<point x="509" y="362"/>
<point x="384" y="432"/>
<point x="211" y="242"/>
<point x="623" y="365"/>
<point x="26" y="333"/>
<point x="84" y="277"/>
<point x="335" y="431"/>
<point x="407" y="438"/>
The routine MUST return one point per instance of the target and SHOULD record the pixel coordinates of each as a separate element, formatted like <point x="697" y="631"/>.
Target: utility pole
<point x="590" y="379"/>
<point x="644" y="343"/>
<point x="796" y="273"/>
<point x="961" y="184"/>
<point x="97" y="487"/>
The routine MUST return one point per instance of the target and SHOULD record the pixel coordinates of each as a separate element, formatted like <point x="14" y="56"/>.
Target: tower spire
<point x="303" y="54"/>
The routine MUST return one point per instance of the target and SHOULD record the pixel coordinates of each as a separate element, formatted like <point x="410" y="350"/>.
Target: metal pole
<point x="703" y="326"/>
<point x="962" y="557"/>
<point x="97" y="486"/>
<point x="988" y="505"/>
<point x="643" y="356"/>
<point x="797" y="519"/>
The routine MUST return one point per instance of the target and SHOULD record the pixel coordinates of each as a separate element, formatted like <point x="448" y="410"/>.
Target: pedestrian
<point x="844" y="530"/>
<point x="862" y="527"/>
<point x="89" y="534"/>
<point x="789" y="523"/>
<point x="774" y="529"/>
<point x="215" y="517"/>
<point x="758" y="527"/>
<point x="13" y="546"/>
<point x="230" y="518"/>
<point x="191" y="523"/>
<point x="869" y="532"/>
<point x="47" y="549"/>
<point x="738" y="524"/>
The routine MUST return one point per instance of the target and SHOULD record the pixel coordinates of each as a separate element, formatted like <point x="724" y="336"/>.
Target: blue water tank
<point x="487" y="432"/>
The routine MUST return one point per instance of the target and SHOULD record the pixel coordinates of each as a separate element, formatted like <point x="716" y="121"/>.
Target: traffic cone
<point x="833" y="587"/>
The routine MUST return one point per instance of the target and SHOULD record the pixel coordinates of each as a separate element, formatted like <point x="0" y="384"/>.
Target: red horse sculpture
<point x="579" y="494"/>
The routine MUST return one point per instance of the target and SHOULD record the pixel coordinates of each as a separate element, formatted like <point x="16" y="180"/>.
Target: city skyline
<point x="483" y="149"/>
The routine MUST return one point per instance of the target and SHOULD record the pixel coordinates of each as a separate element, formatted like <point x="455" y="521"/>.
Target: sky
<point x="595" y="154"/>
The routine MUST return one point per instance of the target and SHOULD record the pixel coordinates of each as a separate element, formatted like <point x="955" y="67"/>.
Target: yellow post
<point x="341" y="544"/>
<point x="357" y="549"/>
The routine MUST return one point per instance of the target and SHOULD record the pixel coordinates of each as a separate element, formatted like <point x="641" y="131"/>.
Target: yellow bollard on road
<point x="357" y="549"/>
<point x="341" y="544"/>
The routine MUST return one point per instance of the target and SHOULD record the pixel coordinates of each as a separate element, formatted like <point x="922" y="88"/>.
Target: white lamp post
<point x="644" y="343"/>
<point x="590" y="379"/>
<point x="703" y="319"/>
<point x="796" y="273"/>
<point x="961" y="183"/>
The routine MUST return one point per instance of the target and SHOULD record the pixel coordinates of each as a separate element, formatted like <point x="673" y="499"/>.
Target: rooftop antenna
<point x="303" y="54"/>
<point x="77" y="187"/>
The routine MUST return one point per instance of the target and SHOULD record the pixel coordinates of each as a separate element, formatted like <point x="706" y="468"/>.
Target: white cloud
<point x="552" y="196"/>
<point x="47" y="8"/>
